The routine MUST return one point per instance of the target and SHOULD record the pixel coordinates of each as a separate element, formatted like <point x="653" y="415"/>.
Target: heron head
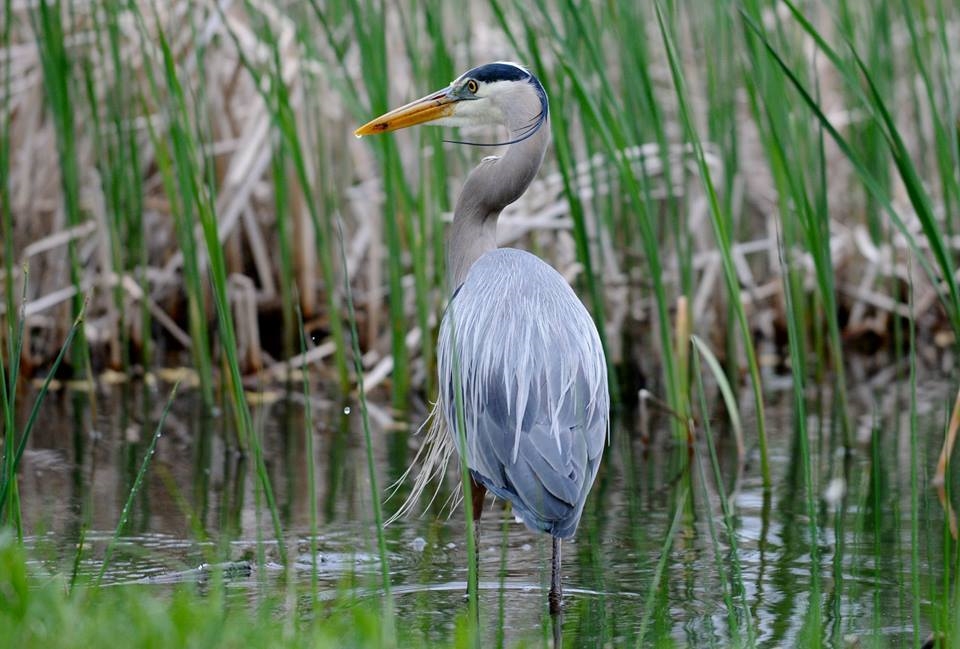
<point x="495" y="93"/>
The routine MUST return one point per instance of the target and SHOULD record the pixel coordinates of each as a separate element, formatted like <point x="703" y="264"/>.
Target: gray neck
<point x="491" y="186"/>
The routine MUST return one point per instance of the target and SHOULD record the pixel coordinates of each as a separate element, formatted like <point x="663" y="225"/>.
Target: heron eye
<point x="472" y="86"/>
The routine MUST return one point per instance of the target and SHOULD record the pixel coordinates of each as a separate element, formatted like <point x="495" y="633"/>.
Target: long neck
<point x="491" y="186"/>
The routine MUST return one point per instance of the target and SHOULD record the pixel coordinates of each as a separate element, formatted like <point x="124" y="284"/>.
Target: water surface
<point x="201" y="504"/>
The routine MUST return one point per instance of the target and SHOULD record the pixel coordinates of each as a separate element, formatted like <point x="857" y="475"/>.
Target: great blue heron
<point x="529" y="364"/>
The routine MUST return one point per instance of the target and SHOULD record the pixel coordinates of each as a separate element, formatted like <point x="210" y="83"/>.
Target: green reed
<point x="721" y="230"/>
<point x="13" y="448"/>
<point x="369" y="21"/>
<point x="199" y="204"/>
<point x="562" y="142"/>
<point x="13" y="332"/>
<point x="565" y="163"/>
<point x="218" y="277"/>
<point x="6" y="216"/>
<point x="308" y="449"/>
<point x="914" y="482"/>
<point x="389" y="632"/>
<point x="616" y="126"/>
<point x="732" y="584"/>
<point x="812" y="626"/>
<point x="716" y="33"/>
<point x="644" y="228"/>
<point x="174" y="160"/>
<point x="58" y="81"/>
<point x="869" y="30"/>
<point x="274" y="92"/>
<point x="421" y="207"/>
<point x="605" y="100"/>
<point x="657" y="582"/>
<point x="135" y="487"/>
<point x="116" y="173"/>
<point x="583" y="20"/>
<point x="926" y="52"/>
<point x="804" y="212"/>
<point x="872" y="101"/>
<point x="126" y="184"/>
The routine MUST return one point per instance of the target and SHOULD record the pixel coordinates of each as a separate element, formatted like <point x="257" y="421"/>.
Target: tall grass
<point x="607" y="101"/>
<point x="199" y="206"/>
<point x="122" y="185"/>
<point x="656" y="583"/>
<point x="6" y="215"/>
<point x="369" y="21"/>
<point x="13" y="446"/>
<point x="284" y="121"/>
<point x="812" y="625"/>
<point x="804" y="209"/>
<point x="308" y="448"/>
<point x="59" y="80"/>
<point x="174" y="162"/>
<point x="732" y="584"/>
<point x="388" y="630"/>
<point x="638" y="190"/>
<point x="721" y="224"/>
<point x="13" y="332"/>
<point x="872" y="101"/>
<point x="135" y="487"/>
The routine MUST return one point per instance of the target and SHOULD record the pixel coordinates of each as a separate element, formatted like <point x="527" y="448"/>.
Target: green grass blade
<point x="389" y="632"/>
<point x="658" y="573"/>
<point x="915" y="514"/>
<point x="8" y="394"/>
<point x="812" y="622"/>
<point x="729" y="399"/>
<point x="311" y="464"/>
<point x="733" y="582"/>
<point x="919" y="197"/>
<point x="6" y="216"/>
<point x="201" y="203"/>
<point x="651" y="244"/>
<point x="50" y="34"/>
<point x="9" y="481"/>
<point x="137" y="483"/>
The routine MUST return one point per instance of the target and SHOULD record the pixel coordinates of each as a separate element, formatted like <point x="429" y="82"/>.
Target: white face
<point x="480" y="102"/>
<point x="480" y="108"/>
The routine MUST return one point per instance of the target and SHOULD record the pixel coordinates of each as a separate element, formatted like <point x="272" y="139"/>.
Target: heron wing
<point x="533" y="381"/>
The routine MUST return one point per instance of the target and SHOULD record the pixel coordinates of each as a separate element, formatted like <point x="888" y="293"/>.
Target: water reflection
<point x="201" y="502"/>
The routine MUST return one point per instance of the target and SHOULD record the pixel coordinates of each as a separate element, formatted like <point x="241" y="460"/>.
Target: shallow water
<point x="85" y="454"/>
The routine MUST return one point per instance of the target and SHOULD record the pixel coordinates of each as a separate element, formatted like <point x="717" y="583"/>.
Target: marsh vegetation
<point x="219" y="312"/>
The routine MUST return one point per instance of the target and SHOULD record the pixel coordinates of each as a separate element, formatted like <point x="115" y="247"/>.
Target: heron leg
<point x="477" y="494"/>
<point x="556" y="588"/>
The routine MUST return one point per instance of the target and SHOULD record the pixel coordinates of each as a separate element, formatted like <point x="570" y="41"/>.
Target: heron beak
<point x="426" y="109"/>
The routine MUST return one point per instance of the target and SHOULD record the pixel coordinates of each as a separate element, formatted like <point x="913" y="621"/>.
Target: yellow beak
<point x="426" y="109"/>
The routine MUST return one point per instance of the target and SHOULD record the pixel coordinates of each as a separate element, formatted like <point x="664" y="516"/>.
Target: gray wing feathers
<point x="534" y="385"/>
